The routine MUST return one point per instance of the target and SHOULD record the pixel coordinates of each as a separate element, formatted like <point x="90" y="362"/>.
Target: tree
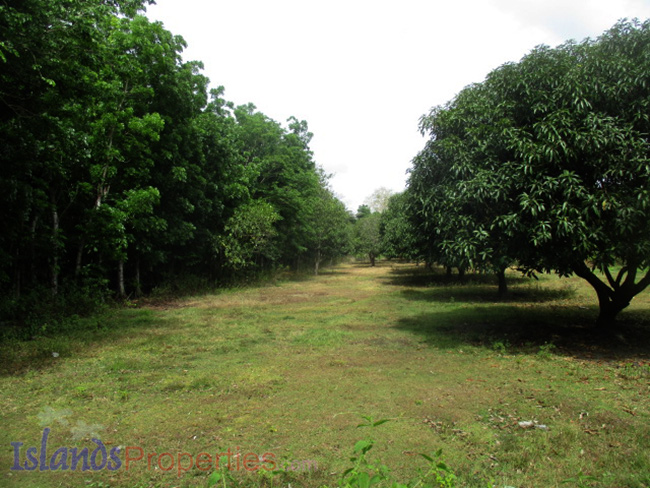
<point x="327" y="227"/>
<point x="556" y="148"/>
<point x="249" y="234"/>
<point x="399" y="237"/>
<point x="367" y="238"/>
<point x="58" y="74"/>
<point x="119" y="171"/>
<point x="459" y="187"/>
<point x="378" y="200"/>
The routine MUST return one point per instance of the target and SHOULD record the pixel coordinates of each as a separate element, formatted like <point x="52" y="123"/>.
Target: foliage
<point x="119" y="166"/>
<point x="327" y="227"/>
<point x="399" y="238"/>
<point x="364" y="473"/>
<point x="545" y="164"/>
<point x="378" y="200"/>
<point x="367" y="236"/>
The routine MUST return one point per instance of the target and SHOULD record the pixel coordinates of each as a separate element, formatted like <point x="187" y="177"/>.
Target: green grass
<point x="291" y="368"/>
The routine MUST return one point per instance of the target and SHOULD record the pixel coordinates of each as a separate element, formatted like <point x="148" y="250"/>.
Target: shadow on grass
<point x="527" y="328"/>
<point x="17" y="356"/>
<point x="422" y="276"/>
<point x="379" y="263"/>
<point x="437" y="286"/>
<point x="471" y="293"/>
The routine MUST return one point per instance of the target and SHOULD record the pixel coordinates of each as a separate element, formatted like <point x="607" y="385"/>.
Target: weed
<point x="500" y="347"/>
<point x="546" y="351"/>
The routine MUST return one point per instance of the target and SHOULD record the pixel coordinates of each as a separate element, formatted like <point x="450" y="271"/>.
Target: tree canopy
<point x="121" y="169"/>
<point x="546" y="164"/>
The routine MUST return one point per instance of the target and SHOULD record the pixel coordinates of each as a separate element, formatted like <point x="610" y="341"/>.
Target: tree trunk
<point x="120" y="278"/>
<point x="17" y="277"/>
<point x="77" y="265"/>
<point x="32" y="253"/>
<point x="54" y="264"/>
<point x="372" y="259"/>
<point x="503" y="285"/>
<point x="317" y="260"/>
<point x="614" y="298"/>
<point x="449" y="272"/>
<point x="609" y="307"/>
<point x="461" y="273"/>
<point x="138" y="286"/>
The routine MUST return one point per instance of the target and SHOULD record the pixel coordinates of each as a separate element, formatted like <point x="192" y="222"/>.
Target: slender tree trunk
<point x="317" y="262"/>
<point x="449" y="272"/>
<point x="461" y="273"/>
<point x="77" y="265"/>
<point x="503" y="285"/>
<point x="17" y="276"/>
<point x="138" y="286"/>
<point x="32" y="252"/>
<point x="54" y="265"/>
<point x="120" y="278"/>
<point x="372" y="259"/>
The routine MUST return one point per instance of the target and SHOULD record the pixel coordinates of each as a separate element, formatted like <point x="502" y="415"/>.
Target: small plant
<point x="221" y="479"/>
<point x="545" y="351"/>
<point x="365" y="474"/>
<point x="500" y="347"/>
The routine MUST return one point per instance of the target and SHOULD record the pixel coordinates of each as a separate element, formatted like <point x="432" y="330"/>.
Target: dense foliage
<point x="546" y="164"/>
<point x="120" y="170"/>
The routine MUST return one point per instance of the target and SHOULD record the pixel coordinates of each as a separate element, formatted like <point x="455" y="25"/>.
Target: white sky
<point x="362" y="72"/>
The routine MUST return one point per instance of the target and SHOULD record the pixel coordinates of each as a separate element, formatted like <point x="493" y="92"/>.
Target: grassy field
<point x="287" y="371"/>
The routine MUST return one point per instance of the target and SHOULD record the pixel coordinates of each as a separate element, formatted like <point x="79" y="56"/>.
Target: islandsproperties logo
<point x="101" y="458"/>
<point x="98" y="455"/>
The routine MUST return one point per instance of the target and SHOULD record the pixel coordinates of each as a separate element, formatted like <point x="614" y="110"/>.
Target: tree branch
<point x="620" y="275"/>
<point x="613" y="283"/>
<point x="583" y="271"/>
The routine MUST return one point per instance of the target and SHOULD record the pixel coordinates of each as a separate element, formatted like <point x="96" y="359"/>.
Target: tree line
<point x="122" y="170"/>
<point x="544" y="166"/>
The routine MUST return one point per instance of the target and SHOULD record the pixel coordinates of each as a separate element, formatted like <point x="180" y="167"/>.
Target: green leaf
<point x="363" y="446"/>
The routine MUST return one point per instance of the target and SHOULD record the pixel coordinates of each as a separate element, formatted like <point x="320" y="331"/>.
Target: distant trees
<point x="399" y="237"/>
<point x="546" y="164"/>
<point x="378" y="200"/>
<point x="327" y="228"/>
<point x="119" y="170"/>
<point x="367" y="237"/>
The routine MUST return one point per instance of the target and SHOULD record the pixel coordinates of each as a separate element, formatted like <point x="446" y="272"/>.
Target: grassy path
<point x="288" y="371"/>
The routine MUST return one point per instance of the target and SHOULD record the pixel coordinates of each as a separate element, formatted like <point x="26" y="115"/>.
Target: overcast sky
<point x="362" y="72"/>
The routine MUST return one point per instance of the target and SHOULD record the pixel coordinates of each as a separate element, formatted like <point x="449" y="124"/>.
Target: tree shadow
<point x="472" y="293"/>
<point x="425" y="277"/>
<point x="436" y="286"/>
<point x="526" y="329"/>
<point x="18" y="356"/>
<point x="366" y="264"/>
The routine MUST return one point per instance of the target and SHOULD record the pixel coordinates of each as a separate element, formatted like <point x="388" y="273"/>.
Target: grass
<point x="290" y="369"/>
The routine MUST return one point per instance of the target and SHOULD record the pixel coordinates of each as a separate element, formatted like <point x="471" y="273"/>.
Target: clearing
<point x="286" y="371"/>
